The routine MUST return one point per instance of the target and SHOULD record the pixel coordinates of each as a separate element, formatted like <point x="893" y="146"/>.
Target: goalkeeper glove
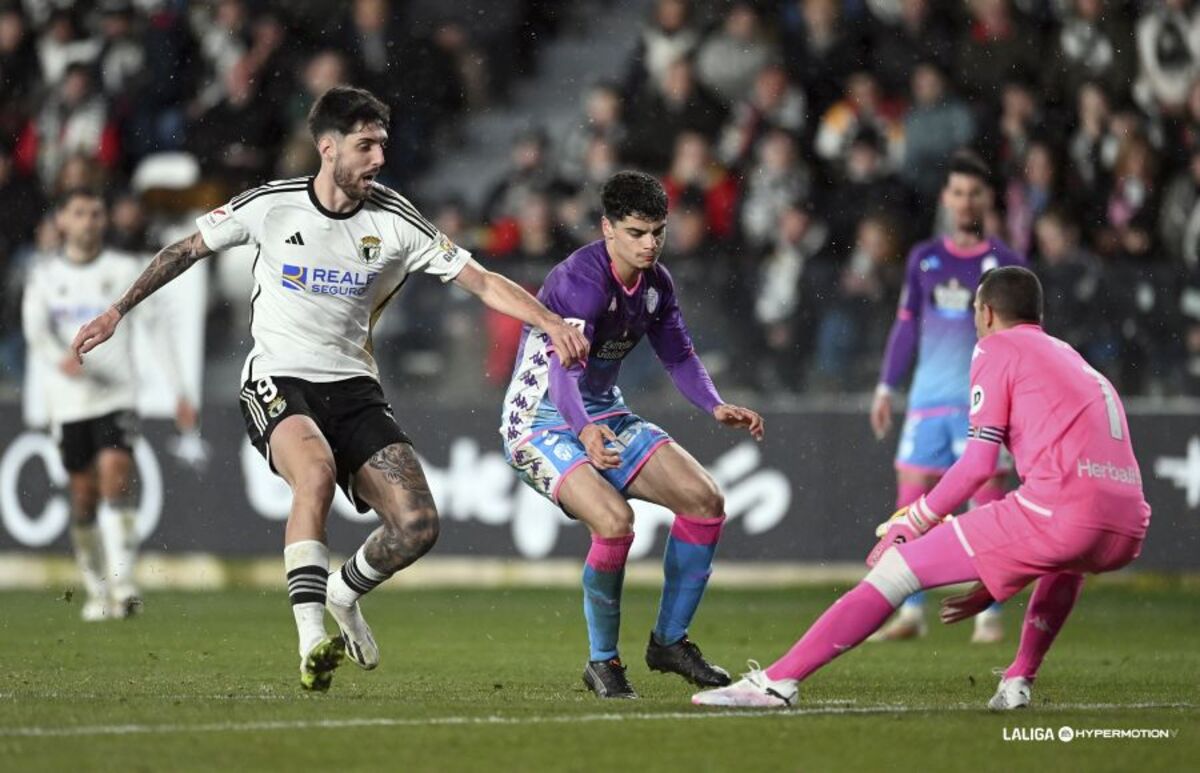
<point x="905" y="525"/>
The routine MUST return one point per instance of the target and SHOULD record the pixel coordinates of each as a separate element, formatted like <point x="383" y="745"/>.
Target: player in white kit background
<point x="92" y="406"/>
<point x="333" y="250"/>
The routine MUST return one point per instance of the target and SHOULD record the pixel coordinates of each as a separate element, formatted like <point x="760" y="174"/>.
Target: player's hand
<point x="737" y="417"/>
<point x="967" y="604"/>
<point x="95" y="333"/>
<point x="905" y="525"/>
<point x="594" y="438"/>
<point x="568" y="341"/>
<point x="881" y="414"/>
<point x="71" y="366"/>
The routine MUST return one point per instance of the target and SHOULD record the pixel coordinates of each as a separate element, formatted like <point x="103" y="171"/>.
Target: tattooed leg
<point x="393" y="483"/>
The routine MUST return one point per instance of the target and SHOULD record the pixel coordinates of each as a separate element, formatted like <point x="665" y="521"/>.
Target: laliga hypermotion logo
<point x="295" y="277"/>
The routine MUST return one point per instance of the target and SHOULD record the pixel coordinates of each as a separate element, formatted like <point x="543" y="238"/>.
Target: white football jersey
<point x="322" y="278"/>
<point x="60" y="297"/>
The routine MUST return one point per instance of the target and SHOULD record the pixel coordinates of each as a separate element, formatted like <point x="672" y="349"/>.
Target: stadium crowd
<point x="802" y="143"/>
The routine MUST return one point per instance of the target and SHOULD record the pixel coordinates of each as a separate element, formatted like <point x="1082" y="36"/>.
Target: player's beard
<point x="350" y="182"/>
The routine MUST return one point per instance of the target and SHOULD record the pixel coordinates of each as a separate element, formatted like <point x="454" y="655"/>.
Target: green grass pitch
<point x="490" y="680"/>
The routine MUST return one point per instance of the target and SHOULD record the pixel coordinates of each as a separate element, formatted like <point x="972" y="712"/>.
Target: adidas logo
<point x="295" y="238"/>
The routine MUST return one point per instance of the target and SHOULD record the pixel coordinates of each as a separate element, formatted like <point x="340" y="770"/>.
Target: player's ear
<point x="606" y="227"/>
<point x="327" y="147"/>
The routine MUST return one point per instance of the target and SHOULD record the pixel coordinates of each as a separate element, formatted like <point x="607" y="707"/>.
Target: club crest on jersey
<point x="369" y="249"/>
<point x="989" y="263"/>
<point x="651" y="299"/>
<point x="976" y="399"/>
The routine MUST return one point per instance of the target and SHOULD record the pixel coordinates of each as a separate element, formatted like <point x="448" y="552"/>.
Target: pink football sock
<point x="1053" y="598"/>
<point x="850" y="620"/>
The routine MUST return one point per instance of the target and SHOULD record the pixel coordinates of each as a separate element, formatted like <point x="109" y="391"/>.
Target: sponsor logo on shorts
<point x="563" y="452"/>
<point x="326" y="281"/>
<point x="1129" y="476"/>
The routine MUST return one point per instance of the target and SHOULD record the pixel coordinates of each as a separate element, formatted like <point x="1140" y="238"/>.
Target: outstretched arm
<point x="507" y="297"/>
<point x="170" y="262"/>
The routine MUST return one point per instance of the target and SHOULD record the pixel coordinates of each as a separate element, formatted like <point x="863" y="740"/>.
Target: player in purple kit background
<point x="935" y="326"/>
<point x="570" y="436"/>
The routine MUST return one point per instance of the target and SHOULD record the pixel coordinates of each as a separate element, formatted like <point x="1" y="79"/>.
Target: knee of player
<point x="893" y="578"/>
<point x="616" y="521"/>
<point x="316" y="483"/>
<point x="416" y="530"/>
<point x="708" y="500"/>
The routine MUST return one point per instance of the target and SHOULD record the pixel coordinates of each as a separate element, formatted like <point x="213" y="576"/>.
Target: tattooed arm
<point x="170" y="262"/>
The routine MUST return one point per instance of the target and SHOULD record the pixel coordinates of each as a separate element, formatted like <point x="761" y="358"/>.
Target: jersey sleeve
<point x="991" y="391"/>
<point x="35" y="321"/>
<point x="424" y="247"/>
<point x="901" y="346"/>
<point x="673" y="345"/>
<point x="237" y="222"/>
<point x="576" y="299"/>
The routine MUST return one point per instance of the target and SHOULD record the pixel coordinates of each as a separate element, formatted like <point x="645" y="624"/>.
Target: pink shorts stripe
<point x="561" y="478"/>
<point x="653" y="449"/>
<point x="697" y="531"/>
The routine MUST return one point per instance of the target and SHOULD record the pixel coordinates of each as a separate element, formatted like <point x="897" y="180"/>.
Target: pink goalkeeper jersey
<point x="1066" y="429"/>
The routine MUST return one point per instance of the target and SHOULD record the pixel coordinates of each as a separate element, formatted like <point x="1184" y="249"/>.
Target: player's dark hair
<point x="78" y="192"/>
<point x="633" y="193"/>
<point x="1013" y="292"/>
<point x="965" y="162"/>
<point x="343" y="109"/>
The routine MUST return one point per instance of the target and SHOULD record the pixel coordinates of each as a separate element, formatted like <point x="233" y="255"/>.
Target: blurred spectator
<point x="1093" y="146"/>
<point x="22" y="202"/>
<point x="694" y="170"/>
<point x="918" y="36"/>
<point x="997" y="48"/>
<point x="324" y="70"/>
<point x="1179" y="215"/>
<point x="664" y="41"/>
<point x="579" y="212"/>
<point x="223" y="42"/>
<point x="158" y="106"/>
<point x="658" y="116"/>
<point x="729" y="59"/>
<point x="779" y="178"/>
<point x="1189" y="308"/>
<point x="821" y="50"/>
<point x="20" y="72"/>
<point x="862" y="106"/>
<point x="468" y="60"/>
<point x="793" y="283"/>
<point x="74" y="119"/>
<point x="1070" y="282"/>
<point x="773" y="103"/>
<point x="121" y="58"/>
<point x="703" y="280"/>
<point x="1168" y="45"/>
<point x="128" y="225"/>
<point x="602" y="119"/>
<point x="936" y="125"/>
<point x="529" y="171"/>
<point x="862" y="308"/>
<point x="236" y="141"/>
<point x="63" y="44"/>
<point x="1030" y="194"/>
<point x="868" y="187"/>
<point x="1020" y="120"/>
<point x="1093" y="46"/>
<point x="1131" y="214"/>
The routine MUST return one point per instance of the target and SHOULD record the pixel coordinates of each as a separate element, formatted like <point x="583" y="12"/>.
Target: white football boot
<point x="754" y="690"/>
<point x="95" y="610"/>
<point x="1012" y="693"/>
<point x="360" y="644"/>
<point x="989" y="627"/>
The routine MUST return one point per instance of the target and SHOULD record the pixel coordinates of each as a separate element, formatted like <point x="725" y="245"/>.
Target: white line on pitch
<point x="332" y="724"/>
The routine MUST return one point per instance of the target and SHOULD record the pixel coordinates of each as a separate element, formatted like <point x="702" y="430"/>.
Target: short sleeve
<point x="233" y="224"/>
<point x="424" y="248"/>
<point x="991" y="388"/>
